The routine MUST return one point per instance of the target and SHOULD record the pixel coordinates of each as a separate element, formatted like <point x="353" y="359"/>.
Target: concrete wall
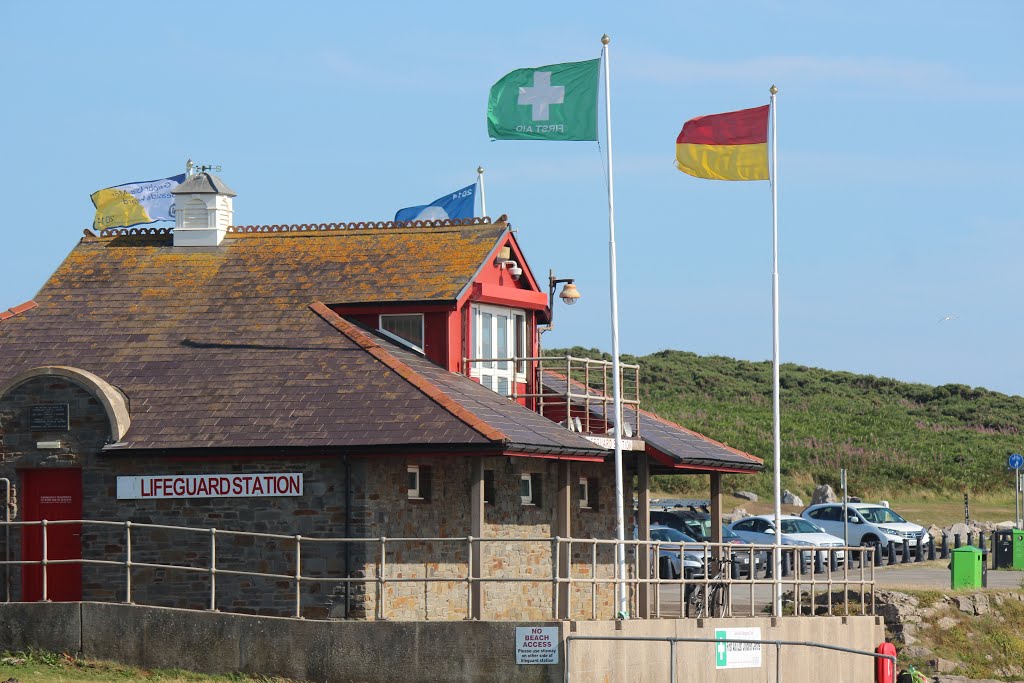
<point x="695" y="662"/>
<point x="307" y="650"/>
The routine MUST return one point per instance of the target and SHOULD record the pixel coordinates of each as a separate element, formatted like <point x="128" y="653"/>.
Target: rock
<point x="1003" y="526"/>
<point x="823" y="494"/>
<point x="737" y="513"/>
<point x="916" y="652"/>
<point x="964" y="603"/>
<point x="789" y="498"/>
<point x="946" y="623"/>
<point x="981" y="605"/>
<point x="943" y="666"/>
<point x="746" y="495"/>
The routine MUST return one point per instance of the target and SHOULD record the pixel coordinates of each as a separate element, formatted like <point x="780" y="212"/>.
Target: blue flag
<point x="458" y="204"/>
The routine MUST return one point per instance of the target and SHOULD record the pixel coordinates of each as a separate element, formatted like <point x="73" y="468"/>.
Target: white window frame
<point x="584" y="493"/>
<point x="528" y="498"/>
<point x="400" y="340"/>
<point x="515" y="325"/>
<point x="414" y="491"/>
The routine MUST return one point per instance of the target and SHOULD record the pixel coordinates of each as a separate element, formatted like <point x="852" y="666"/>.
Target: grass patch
<point x="41" y="666"/>
<point x="990" y="645"/>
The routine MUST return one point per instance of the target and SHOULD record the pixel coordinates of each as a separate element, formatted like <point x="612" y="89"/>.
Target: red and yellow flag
<point x="730" y="146"/>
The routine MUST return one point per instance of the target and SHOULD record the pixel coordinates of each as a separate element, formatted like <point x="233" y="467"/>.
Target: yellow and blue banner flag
<point x="131" y="204"/>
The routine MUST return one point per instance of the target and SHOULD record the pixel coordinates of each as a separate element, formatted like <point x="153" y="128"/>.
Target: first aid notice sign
<point x="536" y="645"/>
<point x="733" y="655"/>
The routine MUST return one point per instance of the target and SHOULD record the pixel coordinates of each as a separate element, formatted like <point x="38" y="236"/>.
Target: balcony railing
<point x="575" y="392"/>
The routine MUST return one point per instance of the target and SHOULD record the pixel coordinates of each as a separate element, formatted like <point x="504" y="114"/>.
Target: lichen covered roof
<point x="219" y="347"/>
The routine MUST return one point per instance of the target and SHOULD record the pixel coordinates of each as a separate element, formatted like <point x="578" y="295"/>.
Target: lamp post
<point x="569" y="295"/>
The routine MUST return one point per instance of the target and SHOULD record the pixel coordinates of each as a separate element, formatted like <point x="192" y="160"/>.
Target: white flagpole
<point x="483" y="195"/>
<point x="620" y="523"/>
<point x="776" y="560"/>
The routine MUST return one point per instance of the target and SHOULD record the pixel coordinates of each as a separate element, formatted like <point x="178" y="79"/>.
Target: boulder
<point x="943" y="666"/>
<point x="737" y="513"/>
<point x="789" y="498"/>
<point x="746" y="495"/>
<point x="1003" y="526"/>
<point x="823" y="494"/>
<point x="964" y="603"/>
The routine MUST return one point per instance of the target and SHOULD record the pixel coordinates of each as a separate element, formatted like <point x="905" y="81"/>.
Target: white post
<point x="620" y="521"/>
<point x="483" y="195"/>
<point x="777" y="563"/>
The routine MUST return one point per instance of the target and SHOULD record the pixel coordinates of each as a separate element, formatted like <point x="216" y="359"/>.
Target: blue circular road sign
<point x="1016" y="461"/>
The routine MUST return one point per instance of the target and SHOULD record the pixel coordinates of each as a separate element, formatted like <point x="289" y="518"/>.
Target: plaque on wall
<point x="49" y="418"/>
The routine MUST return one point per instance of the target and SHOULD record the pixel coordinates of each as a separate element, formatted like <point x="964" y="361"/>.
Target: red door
<point x="51" y="495"/>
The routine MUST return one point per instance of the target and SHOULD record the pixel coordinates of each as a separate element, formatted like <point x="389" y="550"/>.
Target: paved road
<point x="921" y="575"/>
<point x="936" y="575"/>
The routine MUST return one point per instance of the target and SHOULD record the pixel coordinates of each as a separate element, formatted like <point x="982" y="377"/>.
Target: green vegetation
<point x="50" y="667"/>
<point x="987" y="646"/>
<point x="891" y="436"/>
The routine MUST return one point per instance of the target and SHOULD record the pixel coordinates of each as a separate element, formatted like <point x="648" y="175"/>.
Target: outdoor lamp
<point x="569" y="293"/>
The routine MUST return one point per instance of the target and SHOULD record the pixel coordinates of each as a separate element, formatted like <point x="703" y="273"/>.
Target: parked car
<point x="690" y="521"/>
<point x="797" y="531"/>
<point x="868" y="524"/>
<point x="697" y="524"/>
<point x="679" y="555"/>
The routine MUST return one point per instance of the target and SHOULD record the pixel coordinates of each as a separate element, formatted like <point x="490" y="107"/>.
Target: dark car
<point x="696" y="523"/>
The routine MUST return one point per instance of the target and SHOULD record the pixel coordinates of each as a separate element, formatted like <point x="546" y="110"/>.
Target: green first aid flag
<point x="556" y="102"/>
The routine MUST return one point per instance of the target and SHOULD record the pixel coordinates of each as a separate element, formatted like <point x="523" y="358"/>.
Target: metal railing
<point x="576" y="565"/>
<point x="585" y="388"/>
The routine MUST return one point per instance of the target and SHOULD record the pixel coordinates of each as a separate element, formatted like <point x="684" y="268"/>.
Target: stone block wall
<point x="378" y="505"/>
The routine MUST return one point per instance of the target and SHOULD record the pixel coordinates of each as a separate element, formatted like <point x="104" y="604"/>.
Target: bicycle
<point x="710" y="599"/>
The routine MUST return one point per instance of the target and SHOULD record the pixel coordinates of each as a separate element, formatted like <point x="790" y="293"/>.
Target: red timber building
<point x="348" y="421"/>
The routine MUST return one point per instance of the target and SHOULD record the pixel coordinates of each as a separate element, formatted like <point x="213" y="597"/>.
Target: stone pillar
<point x="476" y="530"/>
<point x="643" y="519"/>
<point x="563" y="529"/>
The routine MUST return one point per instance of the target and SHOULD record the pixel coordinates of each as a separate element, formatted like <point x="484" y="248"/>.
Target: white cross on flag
<point x="556" y="102"/>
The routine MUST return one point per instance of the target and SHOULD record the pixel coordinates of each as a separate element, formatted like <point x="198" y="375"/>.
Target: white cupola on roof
<point x="202" y="211"/>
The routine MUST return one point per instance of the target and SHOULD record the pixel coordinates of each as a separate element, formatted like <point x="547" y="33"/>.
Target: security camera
<point x="516" y="272"/>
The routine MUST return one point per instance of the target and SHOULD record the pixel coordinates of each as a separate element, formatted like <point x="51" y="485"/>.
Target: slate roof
<point x="203" y="183"/>
<point x="226" y="347"/>
<point x="675" y="448"/>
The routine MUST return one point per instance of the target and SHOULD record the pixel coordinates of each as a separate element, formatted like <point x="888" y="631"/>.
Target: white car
<point x="760" y="529"/>
<point x="868" y="523"/>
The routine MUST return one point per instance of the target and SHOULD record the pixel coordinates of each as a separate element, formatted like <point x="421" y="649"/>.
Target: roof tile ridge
<point x="477" y="221"/>
<point x="371" y="346"/>
<point x="17" y="310"/>
<point x="667" y="421"/>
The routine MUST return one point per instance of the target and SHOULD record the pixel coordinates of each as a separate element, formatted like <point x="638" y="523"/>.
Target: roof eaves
<point x="483" y="264"/>
<point x="371" y="346"/>
<point x="17" y="310"/>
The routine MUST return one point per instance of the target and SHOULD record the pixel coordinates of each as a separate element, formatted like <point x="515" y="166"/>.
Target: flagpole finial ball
<point x="773" y="90"/>
<point x="605" y="39"/>
<point x="480" y="170"/>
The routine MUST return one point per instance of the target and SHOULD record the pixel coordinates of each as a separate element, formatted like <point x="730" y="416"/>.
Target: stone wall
<point x="378" y="505"/>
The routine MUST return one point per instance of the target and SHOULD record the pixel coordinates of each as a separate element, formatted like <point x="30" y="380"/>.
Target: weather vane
<point x="191" y="168"/>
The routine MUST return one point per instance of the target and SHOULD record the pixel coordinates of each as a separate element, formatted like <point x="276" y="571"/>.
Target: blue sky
<point x="900" y="143"/>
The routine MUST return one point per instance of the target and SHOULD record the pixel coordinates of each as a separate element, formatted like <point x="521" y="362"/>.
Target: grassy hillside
<point x="891" y="436"/>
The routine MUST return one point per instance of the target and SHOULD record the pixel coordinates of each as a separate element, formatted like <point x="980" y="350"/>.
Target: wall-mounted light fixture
<point x="569" y="295"/>
<point x="48" y="445"/>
